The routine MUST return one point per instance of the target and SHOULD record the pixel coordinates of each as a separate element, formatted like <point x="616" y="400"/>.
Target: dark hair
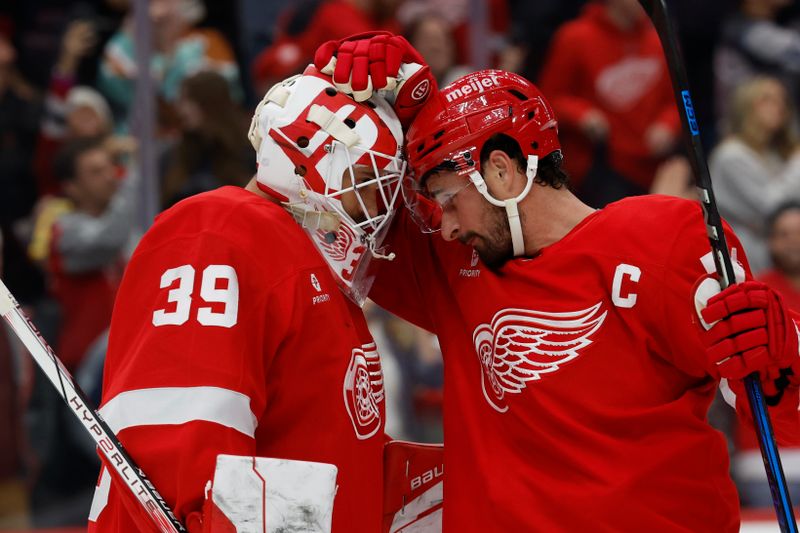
<point x="219" y="146"/>
<point x="549" y="171"/>
<point x="66" y="159"/>
<point x="779" y="211"/>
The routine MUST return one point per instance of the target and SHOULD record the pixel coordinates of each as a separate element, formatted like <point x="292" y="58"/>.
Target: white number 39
<point x="181" y="296"/>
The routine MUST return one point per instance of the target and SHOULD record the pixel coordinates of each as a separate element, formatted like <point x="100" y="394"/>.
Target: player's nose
<point x="450" y="227"/>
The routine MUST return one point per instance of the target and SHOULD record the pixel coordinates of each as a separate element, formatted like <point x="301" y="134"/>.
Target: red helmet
<point x="455" y="123"/>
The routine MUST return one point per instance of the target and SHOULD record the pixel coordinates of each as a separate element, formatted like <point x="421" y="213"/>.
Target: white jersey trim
<point x="179" y="405"/>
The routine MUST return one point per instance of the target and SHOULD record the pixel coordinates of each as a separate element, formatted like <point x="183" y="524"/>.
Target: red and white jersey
<point x="229" y="335"/>
<point x="575" y="389"/>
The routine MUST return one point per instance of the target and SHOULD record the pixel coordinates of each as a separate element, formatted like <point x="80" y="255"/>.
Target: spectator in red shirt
<point x="617" y="98"/>
<point x="784" y="248"/>
<point x="87" y="245"/>
<point x="307" y="23"/>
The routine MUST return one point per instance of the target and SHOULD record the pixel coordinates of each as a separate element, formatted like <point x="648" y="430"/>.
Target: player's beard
<point x="495" y="248"/>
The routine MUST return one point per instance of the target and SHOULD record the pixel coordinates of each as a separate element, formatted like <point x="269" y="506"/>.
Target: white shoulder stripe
<point x="179" y="405"/>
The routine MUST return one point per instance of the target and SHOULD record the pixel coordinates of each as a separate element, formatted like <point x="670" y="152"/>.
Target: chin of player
<point x="493" y="257"/>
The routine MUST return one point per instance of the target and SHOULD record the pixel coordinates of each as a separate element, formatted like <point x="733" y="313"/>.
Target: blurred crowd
<point x="69" y="172"/>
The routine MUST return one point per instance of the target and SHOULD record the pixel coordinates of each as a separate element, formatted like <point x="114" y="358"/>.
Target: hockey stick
<point x="657" y="10"/>
<point x="141" y="487"/>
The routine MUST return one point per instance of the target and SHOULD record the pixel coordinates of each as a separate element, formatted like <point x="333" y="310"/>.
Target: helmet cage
<point x="385" y="178"/>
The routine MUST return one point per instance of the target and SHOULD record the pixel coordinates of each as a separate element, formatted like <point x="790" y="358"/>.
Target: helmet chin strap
<point x="511" y="205"/>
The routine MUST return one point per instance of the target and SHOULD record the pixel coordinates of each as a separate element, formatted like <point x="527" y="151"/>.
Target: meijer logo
<point x="478" y="85"/>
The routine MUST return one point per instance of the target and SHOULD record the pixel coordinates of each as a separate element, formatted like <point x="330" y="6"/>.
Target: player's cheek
<point x="372" y="201"/>
<point x="352" y="207"/>
<point x="383" y="195"/>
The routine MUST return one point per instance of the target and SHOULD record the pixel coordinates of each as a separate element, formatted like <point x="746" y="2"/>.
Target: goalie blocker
<point x="267" y="495"/>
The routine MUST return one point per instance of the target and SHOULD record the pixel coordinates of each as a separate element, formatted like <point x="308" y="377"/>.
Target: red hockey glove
<point x="378" y="61"/>
<point x="752" y="331"/>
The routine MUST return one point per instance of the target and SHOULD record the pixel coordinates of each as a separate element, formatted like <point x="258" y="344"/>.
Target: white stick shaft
<point x="109" y="446"/>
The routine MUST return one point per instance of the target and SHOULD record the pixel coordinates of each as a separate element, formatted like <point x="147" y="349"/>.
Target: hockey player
<point x="581" y="348"/>
<point x="230" y="334"/>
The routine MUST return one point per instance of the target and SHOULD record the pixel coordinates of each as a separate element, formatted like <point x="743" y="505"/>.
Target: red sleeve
<point x="562" y="74"/>
<point x="688" y="261"/>
<point x="185" y="372"/>
<point x="397" y="287"/>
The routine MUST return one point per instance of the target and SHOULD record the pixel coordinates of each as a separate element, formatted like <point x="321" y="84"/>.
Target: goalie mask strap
<point x="333" y="125"/>
<point x="313" y="220"/>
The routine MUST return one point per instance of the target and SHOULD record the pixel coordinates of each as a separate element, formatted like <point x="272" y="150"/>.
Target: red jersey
<point x="575" y="388"/>
<point x="86" y="300"/>
<point x="229" y="335"/>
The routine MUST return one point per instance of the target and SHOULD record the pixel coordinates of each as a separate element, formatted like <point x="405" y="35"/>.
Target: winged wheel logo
<point x="522" y="345"/>
<point x="363" y="391"/>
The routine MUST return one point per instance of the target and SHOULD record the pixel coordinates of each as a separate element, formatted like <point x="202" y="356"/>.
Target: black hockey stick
<point x="134" y="478"/>
<point x="657" y="10"/>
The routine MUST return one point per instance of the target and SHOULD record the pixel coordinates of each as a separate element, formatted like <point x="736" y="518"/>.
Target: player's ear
<point x="499" y="174"/>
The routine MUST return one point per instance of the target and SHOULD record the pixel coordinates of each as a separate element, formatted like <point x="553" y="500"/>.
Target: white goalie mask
<point x="336" y="165"/>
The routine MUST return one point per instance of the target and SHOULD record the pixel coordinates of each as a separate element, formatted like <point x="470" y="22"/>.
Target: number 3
<point x="182" y="296"/>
